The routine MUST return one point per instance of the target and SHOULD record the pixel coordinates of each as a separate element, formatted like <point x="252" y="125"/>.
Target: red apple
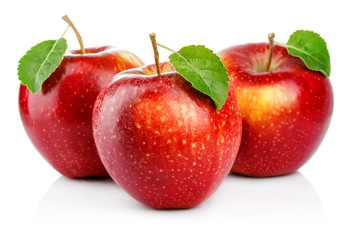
<point x="162" y="140"/>
<point x="286" y="110"/>
<point x="58" y="118"/>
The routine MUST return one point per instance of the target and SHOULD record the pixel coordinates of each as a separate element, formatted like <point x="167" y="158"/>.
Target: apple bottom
<point x="163" y="141"/>
<point x="283" y="123"/>
<point x="72" y="155"/>
<point x="277" y="151"/>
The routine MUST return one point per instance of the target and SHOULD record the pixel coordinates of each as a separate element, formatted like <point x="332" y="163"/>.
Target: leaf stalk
<point x="167" y="48"/>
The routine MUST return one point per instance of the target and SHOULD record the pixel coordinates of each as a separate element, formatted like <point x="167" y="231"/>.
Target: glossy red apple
<point x="162" y="140"/>
<point x="286" y="110"/>
<point x="58" y="118"/>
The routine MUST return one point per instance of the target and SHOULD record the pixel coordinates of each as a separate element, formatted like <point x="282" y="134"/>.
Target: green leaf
<point x="40" y="62"/>
<point x="312" y="49"/>
<point x="204" y="69"/>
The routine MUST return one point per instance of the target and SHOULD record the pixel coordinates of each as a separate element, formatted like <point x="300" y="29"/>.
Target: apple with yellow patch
<point x="286" y="108"/>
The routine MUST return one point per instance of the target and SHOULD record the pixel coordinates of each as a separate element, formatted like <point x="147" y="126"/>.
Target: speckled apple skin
<point x="163" y="141"/>
<point x="58" y="118"/>
<point x="286" y="111"/>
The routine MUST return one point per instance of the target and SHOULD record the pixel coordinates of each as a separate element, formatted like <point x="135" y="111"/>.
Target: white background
<point x="319" y="201"/>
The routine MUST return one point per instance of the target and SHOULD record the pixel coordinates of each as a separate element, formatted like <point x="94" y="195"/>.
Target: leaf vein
<point x="46" y="59"/>
<point x="189" y="64"/>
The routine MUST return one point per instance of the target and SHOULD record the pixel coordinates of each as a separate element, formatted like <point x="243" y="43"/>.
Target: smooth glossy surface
<point x="58" y="119"/>
<point x="319" y="203"/>
<point x="163" y="141"/>
<point x="286" y="111"/>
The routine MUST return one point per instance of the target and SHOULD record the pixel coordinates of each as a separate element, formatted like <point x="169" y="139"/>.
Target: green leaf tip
<point x="204" y="69"/>
<point x="312" y="49"/>
<point x="40" y="62"/>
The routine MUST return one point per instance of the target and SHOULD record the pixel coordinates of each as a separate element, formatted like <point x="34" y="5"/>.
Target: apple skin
<point x="162" y="140"/>
<point x="286" y="111"/>
<point x="58" y="118"/>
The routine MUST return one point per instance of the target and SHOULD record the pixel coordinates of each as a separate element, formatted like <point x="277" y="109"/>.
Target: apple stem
<point x="66" y="19"/>
<point x="156" y="52"/>
<point x="271" y="47"/>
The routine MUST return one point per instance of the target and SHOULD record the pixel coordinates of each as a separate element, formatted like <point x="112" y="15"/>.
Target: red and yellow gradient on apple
<point x="286" y="110"/>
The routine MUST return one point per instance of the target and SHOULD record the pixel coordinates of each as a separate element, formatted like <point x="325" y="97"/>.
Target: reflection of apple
<point x="286" y="198"/>
<point x="58" y="118"/>
<point x="286" y="110"/>
<point x="162" y="140"/>
<point x="76" y="197"/>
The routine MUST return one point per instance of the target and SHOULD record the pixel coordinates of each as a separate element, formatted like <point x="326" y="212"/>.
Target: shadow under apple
<point x="287" y="199"/>
<point x="83" y="198"/>
<point x="280" y="199"/>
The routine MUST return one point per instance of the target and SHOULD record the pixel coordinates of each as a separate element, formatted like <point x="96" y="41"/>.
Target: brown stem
<point x="156" y="52"/>
<point x="66" y="18"/>
<point x="271" y="47"/>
